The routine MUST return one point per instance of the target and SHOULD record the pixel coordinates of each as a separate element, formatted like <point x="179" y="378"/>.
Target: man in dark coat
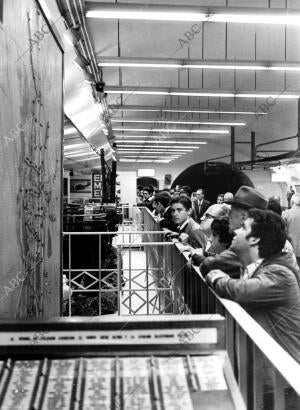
<point x="200" y="205"/>
<point x="272" y="292"/>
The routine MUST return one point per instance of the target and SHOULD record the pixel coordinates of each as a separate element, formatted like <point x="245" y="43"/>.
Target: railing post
<point x="119" y="266"/>
<point x="70" y="284"/>
<point x="100" y="277"/>
<point x="258" y="378"/>
<point x="242" y="355"/>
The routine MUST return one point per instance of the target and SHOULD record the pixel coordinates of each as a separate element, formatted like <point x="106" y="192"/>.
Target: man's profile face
<point x="199" y="194"/>
<point x="241" y="241"/>
<point x="236" y="218"/>
<point x="179" y="213"/>
<point x="159" y="208"/>
<point x="146" y="195"/>
<point x="206" y="222"/>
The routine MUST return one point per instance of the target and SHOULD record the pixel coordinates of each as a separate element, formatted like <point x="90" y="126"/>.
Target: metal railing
<point x="268" y="377"/>
<point x="107" y="283"/>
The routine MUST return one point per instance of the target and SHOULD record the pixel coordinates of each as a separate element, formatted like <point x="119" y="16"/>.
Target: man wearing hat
<point x="246" y="198"/>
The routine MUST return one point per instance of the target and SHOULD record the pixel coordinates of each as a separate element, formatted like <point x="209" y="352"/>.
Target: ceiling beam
<point x="141" y="62"/>
<point x="139" y="90"/>
<point x="167" y="12"/>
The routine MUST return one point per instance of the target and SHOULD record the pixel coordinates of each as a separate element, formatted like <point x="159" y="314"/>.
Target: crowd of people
<point x="247" y="248"/>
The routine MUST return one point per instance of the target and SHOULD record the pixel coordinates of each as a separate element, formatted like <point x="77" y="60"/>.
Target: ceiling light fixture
<point x="162" y="142"/>
<point x="163" y="12"/>
<point x="116" y="108"/>
<point x="233" y="123"/>
<point x="168" y="130"/>
<point x="133" y="62"/>
<point x="204" y="93"/>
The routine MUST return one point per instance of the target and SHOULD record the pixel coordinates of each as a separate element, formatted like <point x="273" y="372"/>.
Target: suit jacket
<point x="200" y="211"/>
<point x="292" y="219"/>
<point x="271" y="294"/>
<point x="197" y="239"/>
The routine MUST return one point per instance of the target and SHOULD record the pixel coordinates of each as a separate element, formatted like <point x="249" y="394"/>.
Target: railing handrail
<point x="285" y="364"/>
<point x="114" y="233"/>
<point x="145" y="244"/>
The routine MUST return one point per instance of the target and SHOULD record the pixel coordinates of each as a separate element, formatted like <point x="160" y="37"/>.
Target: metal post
<point x="232" y="150"/>
<point x="298" y="124"/>
<point x="70" y="286"/>
<point x="253" y="156"/>
<point x="100" y="277"/>
<point x="119" y="265"/>
<point x="113" y="181"/>
<point x="103" y="170"/>
<point x="129" y="266"/>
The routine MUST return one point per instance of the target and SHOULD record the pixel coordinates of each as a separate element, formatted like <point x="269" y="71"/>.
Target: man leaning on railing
<point x="270" y="293"/>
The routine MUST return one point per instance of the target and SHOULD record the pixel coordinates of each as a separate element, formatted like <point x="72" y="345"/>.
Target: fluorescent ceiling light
<point x="273" y="95"/>
<point x="175" y="110"/>
<point x="162" y="142"/>
<point x="163" y="161"/>
<point x="163" y="12"/>
<point x="154" y="150"/>
<point x="179" y="93"/>
<point x="183" y="131"/>
<point x="156" y="147"/>
<point x="140" y="62"/>
<point x="197" y="93"/>
<point x="149" y="156"/>
<point x="234" y="123"/>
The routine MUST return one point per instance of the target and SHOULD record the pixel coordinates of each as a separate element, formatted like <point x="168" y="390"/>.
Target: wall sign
<point x="97" y="186"/>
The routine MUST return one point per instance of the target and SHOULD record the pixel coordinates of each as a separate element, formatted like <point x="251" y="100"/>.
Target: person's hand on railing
<point x="185" y="248"/>
<point x="197" y="256"/>
<point x="184" y="238"/>
<point x="214" y="275"/>
<point x="171" y="235"/>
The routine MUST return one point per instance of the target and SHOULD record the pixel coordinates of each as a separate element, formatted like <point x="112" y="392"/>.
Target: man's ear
<point x="253" y="241"/>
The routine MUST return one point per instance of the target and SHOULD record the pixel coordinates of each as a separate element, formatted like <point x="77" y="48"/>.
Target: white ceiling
<point x="221" y="41"/>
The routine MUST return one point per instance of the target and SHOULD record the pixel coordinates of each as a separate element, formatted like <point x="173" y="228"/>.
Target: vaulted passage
<point x="215" y="178"/>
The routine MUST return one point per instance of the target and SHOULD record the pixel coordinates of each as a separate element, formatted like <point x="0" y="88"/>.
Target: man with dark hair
<point x="220" y="239"/>
<point x="244" y="199"/>
<point x="147" y="195"/>
<point x="188" y="231"/>
<point x="161" y="204"/>
<point x="200" y="205"/>
<point x="272" y="294"/>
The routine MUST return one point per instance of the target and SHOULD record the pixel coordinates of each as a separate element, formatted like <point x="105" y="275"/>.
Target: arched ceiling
<point x="251" y="77"/>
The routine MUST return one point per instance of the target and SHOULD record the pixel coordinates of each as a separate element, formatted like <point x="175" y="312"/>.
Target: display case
<point x="150" y="363"/>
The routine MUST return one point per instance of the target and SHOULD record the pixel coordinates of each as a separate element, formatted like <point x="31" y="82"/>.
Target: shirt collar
<point x="184" y="224"/>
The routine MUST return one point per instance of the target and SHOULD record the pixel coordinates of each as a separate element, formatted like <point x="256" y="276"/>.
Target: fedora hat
<point x="247" y="197"/>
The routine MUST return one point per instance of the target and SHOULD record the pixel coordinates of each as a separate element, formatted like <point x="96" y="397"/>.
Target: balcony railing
<point x="268" y="377"/>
